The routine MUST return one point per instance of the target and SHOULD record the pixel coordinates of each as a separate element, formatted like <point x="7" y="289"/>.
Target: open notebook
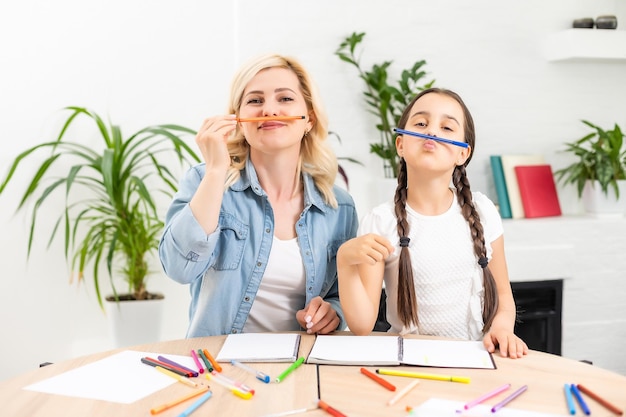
<point x="260" y="347"/>
<point x="376" y="350"/>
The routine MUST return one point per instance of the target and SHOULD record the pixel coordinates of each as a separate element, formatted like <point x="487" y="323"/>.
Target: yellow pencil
<point x="436" y="377"/>
<point x="174" y="375"/>
<point x="265" y="118"/>
<point x="169" y="405"/>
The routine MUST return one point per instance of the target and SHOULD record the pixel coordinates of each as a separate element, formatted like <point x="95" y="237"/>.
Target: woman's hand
<point x="211" y="140"/>
<point x="318" y="317"/>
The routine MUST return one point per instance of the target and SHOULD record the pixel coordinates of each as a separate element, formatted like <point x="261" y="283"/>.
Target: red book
<point x="537" y="190"/>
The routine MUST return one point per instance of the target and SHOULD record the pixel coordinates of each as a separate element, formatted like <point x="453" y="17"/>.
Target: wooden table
<point x="343" y="387"/>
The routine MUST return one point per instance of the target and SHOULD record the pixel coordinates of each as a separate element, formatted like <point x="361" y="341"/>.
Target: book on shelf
<point x="509" y="162"/>
<point x="380" y="350"/>
<point x="500" y="184"/>
<point x="538" y="190"/>
<point x="260" y="347"/>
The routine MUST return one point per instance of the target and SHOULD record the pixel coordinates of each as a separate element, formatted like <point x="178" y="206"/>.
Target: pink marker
<point x="197" y="361"/>
<point x="486" y="396"/>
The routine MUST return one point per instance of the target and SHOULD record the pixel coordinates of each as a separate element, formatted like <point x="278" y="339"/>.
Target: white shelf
<point x="586" y="44"/>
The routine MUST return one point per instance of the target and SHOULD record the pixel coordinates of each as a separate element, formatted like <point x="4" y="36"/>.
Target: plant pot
<point x="134" y="322"/>
<point x="599" y="204"/>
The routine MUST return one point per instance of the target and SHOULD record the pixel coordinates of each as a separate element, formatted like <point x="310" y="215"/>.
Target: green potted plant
<point x="109" y="219"/>
<point x="385" y="98"/>
<point x="600" y="169"/>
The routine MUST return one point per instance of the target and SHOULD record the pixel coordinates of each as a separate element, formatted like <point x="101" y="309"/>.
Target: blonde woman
<point x="255" y="229"/>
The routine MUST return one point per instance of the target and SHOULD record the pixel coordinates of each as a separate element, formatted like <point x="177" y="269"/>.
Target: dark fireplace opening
<point x="539" y="305"/>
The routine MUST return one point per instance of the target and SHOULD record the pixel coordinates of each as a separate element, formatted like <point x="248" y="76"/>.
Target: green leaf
<point x="109" y="216"/>
<point x="385" y="98"/>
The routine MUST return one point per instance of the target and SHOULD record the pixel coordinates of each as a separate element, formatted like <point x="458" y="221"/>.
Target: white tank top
<point x="282" y="291"/>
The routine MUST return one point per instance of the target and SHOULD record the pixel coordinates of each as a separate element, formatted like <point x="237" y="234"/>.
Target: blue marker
<point x="580" y="400"/>
<point x="423" y="136"/>
<point x="569" y="399"/>
<point x="195" y="405"/>
<point x="259" y="375"/>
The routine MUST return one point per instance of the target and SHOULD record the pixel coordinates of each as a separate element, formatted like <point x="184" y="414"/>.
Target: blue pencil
<point x="193" y="407"/>
<point x="423" y="136"/>
<point x="580" y="399"/>
<point x="569" y="399"/>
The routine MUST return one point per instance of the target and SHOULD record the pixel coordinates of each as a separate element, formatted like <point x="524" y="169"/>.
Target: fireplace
<point x="539" y="306"/>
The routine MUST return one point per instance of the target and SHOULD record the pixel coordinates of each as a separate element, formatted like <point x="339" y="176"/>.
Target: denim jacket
<point x="225" y="268"/>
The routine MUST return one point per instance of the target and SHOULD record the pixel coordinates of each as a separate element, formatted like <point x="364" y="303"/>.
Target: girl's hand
<point x="367" y="249"/>
<point x="507" y="343"/>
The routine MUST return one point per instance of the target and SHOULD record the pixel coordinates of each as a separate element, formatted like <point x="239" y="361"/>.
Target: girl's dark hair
<point x="407" y="301"/>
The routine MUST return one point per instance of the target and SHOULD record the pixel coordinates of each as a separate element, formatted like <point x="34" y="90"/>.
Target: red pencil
<point x="600" y="400"/>
<point x="378" y="379"/>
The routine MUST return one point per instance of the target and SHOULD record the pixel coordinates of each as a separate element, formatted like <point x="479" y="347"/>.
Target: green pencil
<point x="290" y="369"/>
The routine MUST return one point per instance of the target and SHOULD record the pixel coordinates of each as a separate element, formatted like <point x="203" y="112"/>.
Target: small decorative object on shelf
<point x="606" y="22"/>
<point x="584" y="23"/>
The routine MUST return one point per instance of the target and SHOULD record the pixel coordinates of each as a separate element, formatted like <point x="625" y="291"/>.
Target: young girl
<point x="439" y="250"/>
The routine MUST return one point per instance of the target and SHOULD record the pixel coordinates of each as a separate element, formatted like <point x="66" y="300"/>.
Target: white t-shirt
<point x="282" y="291"/>
<point x="448" y="279"/>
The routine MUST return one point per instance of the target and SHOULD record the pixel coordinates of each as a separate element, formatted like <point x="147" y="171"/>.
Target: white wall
<point x="145" y="62"/>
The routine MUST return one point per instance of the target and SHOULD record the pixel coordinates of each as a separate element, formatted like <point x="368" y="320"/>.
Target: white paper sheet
<point x="120" y="378"/>
<point x="437" y="407"/>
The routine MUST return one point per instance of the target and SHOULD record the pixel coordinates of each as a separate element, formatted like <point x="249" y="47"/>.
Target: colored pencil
<point x="268" y="118"/>
<point x="193" y="407"/>
<point x="378" y="379"/>
<point x="403" y="392"/>
<point x="167" y="406"/>
<point x="510" y="398"/>
<point x="571" y="407"/>
<point x="330" y="410"/>
<point x="486" y="396"/>
<point x="612" y="408"/>
<point x="176" y="364"/>
<point x="177" y="377"/>
<point x="290" y="369"/>
<point x="154" y="362"/>
<point x="435" y="138"/>
<point x="451" y="378"/>
<point x="211" y="359"/>
<point x="259" y="375"/>
<point x="580" y="399"/>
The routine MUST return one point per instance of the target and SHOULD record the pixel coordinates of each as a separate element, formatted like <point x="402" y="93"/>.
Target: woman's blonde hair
<point x="316" y="156"/>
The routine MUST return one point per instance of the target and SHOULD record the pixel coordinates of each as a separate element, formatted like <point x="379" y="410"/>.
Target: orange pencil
<point x="164" y="407"/>
<point x="211" y="359"/>
<point x="332" y="411"/>
<point x="600" y="400"/>
<point x="378" y="379"/>
<point x="266" y="118"/>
